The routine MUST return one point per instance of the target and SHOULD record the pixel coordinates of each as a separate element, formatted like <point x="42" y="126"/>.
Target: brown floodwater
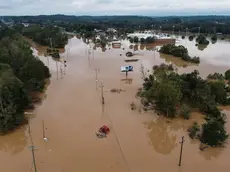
<point x="138" y="142"/>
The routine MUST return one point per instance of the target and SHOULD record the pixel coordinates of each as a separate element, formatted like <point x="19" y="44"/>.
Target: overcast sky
<point x="115" y="7"/>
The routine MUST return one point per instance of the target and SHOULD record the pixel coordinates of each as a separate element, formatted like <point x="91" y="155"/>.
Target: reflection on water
<point x="160" y="137"/>
<point x="215" y="54"/>
<point x="211" y="153"/>
<point x="175" y="60"/>
<point x="201" y="47"/>
<point x="14" y="142"/>
<point x="127" y="80"/>
<point x="164" y="133"/>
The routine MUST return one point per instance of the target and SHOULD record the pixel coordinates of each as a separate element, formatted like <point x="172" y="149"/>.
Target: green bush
<point x="194" y="130"/>
<point x="201" y="39"/>
<point x="214" y="133"/>
<point x="227" y="75"/>
<point x="185" y="111"/>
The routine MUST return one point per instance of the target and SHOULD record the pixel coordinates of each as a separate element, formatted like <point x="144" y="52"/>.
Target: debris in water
<point x="129" y="54"/>
<point x="203" y="147"/>
<point x="131" y="60"/>
<point x="133" y="106"/>
<point x="116" y="90"/>
<point x="45" y="139"/>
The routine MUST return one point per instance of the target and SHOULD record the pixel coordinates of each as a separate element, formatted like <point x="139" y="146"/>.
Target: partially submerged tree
<point x="13" y="99"/>
<point x="171" y="94"/>
<point x="214" y="133"/>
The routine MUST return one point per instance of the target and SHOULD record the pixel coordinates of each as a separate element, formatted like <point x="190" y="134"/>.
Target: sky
<point x="115" y="7"/>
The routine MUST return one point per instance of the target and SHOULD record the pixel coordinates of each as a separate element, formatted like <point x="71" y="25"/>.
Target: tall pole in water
<point x="181" y="149"/>
<point x="33" y="156"/>
<point x="96" y="70"/>
<point x="102" y="94"/>
<point x="43" y="129"/>
<point x="57" y="69"/>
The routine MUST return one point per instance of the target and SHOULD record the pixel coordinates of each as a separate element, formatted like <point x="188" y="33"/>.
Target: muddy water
<point x="72" y="113"/>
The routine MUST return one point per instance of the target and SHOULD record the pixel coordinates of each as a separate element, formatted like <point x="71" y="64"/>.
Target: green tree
<point x="201" y="39"/>
<point x="219" y="92"/>
<point x="13" y="99"/>
<point x="227" y="74"/>
<point x="214" y="133"/>
<point x="167" y="97"/>
<point x="193" y="131"/>
<point x="214" y="38"/>
<point x="135" y="39"/>
<point x="131" y="40"/>
<point x="185" y="111"/>
<point x="142" y="40"/>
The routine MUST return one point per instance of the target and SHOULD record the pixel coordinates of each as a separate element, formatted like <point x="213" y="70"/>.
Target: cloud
<point x="114" y="7"/>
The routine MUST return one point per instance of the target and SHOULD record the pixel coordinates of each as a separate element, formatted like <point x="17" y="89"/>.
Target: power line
<point x="33" y="156"/>
<point x="122" y="153"/>
<point x="110" y="121"/>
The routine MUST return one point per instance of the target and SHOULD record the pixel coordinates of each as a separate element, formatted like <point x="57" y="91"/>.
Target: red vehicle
<point x="104" y="129"/>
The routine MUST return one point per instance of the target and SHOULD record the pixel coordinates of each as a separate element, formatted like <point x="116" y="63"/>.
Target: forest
<point x="21" y="74"/>
<point x="175" y="95"/>
<point x="194" y="24"/>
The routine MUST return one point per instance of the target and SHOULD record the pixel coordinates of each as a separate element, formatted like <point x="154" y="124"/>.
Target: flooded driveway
<point x="72" y="113"/>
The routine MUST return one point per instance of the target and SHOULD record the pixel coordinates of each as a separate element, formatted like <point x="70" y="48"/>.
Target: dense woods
<point x="46" y="35"/>
<point x="175" y="95"/>
<point x="195" y="24"/>
<point x="20" y="75"/>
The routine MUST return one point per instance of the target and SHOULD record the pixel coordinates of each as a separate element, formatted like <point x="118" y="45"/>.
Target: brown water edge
<point x="40" y="48"/>
<point x="72" y="113"/>
<point x="176" y="61"/>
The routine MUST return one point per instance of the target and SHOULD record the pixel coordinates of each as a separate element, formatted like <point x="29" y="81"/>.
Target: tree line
<point x="195" y="24"/>
<point x="172" y="95"/>
<point x="47" y="35"/>
<point x="21" y="74"/>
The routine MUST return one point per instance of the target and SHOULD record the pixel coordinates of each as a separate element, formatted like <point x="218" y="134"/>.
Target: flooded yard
<point x="138" y="142"/>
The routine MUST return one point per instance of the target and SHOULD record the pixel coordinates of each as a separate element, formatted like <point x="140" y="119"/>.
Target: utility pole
<point x="33" y="156"/>
<point x="89" y="53"/>
<point x="57" y="69"/>
<point x="93" y="54"/>
<point x="43" y="129"/>
<point x="181" y="149"/>
<point x="67" y="53"/>
<point x="64" y="67"/>
<point x="51" y="45"/>
<point x="102" y="94"/>
<point x="96" y="70"/>
<point x="61" y="71"/>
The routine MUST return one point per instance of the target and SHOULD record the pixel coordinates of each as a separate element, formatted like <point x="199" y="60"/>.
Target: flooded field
<point x="138" y="142"/>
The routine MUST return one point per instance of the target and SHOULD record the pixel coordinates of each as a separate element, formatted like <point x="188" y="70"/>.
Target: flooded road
<point x="72" y="113"/>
